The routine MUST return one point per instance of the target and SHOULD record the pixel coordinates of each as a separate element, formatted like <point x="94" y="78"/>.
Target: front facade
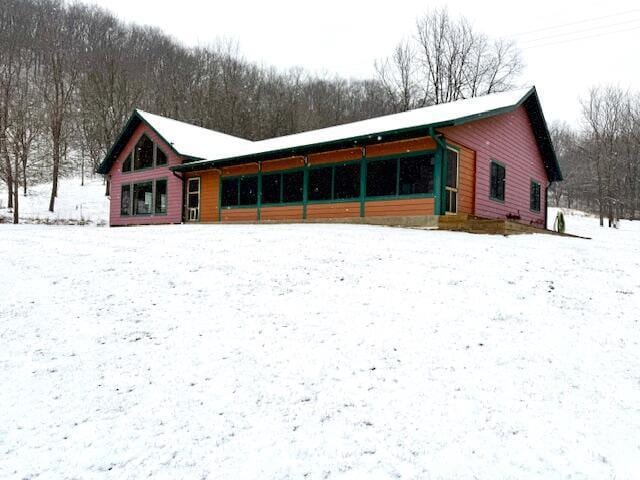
<point x="494" y="164"/>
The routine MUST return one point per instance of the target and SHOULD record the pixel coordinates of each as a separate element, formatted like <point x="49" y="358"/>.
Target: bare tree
<point x="447" y="60"/>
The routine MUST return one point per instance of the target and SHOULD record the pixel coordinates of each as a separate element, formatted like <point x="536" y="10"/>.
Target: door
<point x="451" y="187"/>
<point x="193" y="199"/>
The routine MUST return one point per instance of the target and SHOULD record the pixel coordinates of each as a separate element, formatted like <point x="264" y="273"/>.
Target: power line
<point x="581" y="38"/>
<point x="594" y="19"/>
<point x="585" y="30"/>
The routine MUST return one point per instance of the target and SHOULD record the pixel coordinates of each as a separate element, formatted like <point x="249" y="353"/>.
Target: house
<point x="488" y="156"/>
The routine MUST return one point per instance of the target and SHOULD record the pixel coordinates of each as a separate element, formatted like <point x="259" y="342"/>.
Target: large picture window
<point x="144" y="198"/>
<point x="534" y="201"/>
<point x="229" y="192"/>
<point x="143" y="154"/>
<point x="271" y="188"/>
<point x="497" y="182"/>
<point x="248" y="190"/>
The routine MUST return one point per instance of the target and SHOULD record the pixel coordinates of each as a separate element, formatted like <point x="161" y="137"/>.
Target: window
<point x="161" y="197"/>
<point x="416" y="175"/>
<point x="271" y="188"/>
<point x="283" y="187"/>
<point x="334" y="182"/>
<point x="346" y="181"/>
<point x="498" y="179"/>
<point x="126" y="165"/>
<point x="248" y="190"/>
<point x="534" y="201"/>
<point x="320" y="180"/>
<point x="161" y="158"/>
<point x="292" y="187"/>
<point x="239" y="191"/>
<point x="401" y="176"/>
<point x="142" y="198"/>
<point x="229" y="192"/>
<point x="143" y="154"/>
<point x="125" y="200"/>
<point x="382" y="176"/>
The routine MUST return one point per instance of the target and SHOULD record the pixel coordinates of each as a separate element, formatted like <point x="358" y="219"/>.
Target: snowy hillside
<point x="74" y="202"/>
<point x="318" y="351"/>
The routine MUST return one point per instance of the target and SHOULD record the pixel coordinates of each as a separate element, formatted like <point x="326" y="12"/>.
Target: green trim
<point x="400" y="197"/>
<point x="504" y="187"/>
<point x="363" y="182"/>
<point x="305" y="189"/>
<point x="259" y="203"/>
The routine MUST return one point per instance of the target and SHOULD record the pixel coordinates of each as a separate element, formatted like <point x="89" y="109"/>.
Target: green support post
<point x="363" y="181"/>
<point x="439" y="179"/>
<point x="259" y="189"/>
<point x="305" y="189"/>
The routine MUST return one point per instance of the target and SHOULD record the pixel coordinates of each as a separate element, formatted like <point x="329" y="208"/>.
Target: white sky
<point x="345" y="37"/>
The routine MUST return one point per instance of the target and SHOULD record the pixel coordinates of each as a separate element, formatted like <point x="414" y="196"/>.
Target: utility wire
<point x="575" y="32"/>
<point x="580" y="38"/>
<point x="594" y="19"/>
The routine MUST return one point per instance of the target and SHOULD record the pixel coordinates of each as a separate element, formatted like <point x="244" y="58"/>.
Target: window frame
<point x="531" y="185"/>
<point x="237" y="178"/>
<point x="131" y="186"/>
<point x="332" y="166"/>
<point x="154" y="164"/>
<point x="504" y="182"/>
<point x="280" y="173"/>
<point x="398" y="157"/>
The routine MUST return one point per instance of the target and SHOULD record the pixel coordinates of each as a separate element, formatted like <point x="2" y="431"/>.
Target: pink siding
<point x="509" y="139"/>
<point x="174" y="184"/>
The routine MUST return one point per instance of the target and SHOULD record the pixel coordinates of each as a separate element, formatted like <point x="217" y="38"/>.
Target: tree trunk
<point x="56" y="170"/>
<point x="16" y="193"/>
<point x="24" y="175"/>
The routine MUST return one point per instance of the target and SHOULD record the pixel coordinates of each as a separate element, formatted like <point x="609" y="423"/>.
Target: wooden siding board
<point x="402" y="146"/>
<point x="394" y="208"/>
<point x="335" y="156"/>
<point x="509" y="139"/>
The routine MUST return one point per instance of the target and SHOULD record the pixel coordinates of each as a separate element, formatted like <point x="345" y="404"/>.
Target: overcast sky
<point x="345" y="37"/>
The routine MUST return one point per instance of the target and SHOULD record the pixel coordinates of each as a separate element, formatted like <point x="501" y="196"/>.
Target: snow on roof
<point x="191" y="140"/>
<point x="433" y="115"/>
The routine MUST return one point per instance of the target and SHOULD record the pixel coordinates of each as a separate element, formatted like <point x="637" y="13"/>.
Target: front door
<point x="451" y="188"/>
<point x="193" y="199"/>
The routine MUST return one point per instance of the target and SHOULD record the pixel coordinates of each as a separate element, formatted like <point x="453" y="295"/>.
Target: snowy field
<point x="318" y="351"/>
<point x="86" y="203"/>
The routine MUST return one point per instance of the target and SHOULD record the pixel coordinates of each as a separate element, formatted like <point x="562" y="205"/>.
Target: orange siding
<point x="403" y="146"/>
<point x="239" y="214"/>
<point x="283" y="164"/>
<point x="399" y="208"/>
<point x="209" y="194"/>
<point x="244" y="169"/>
<point x="335" y="156"/>
<point x="281" y="213"/>
<point x="333" y="210"/>
<point x="466" y="180"/>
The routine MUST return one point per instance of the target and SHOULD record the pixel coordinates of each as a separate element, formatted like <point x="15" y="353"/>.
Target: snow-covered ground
<point x="318" y="351"/>
<point x="86" y="203"/>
